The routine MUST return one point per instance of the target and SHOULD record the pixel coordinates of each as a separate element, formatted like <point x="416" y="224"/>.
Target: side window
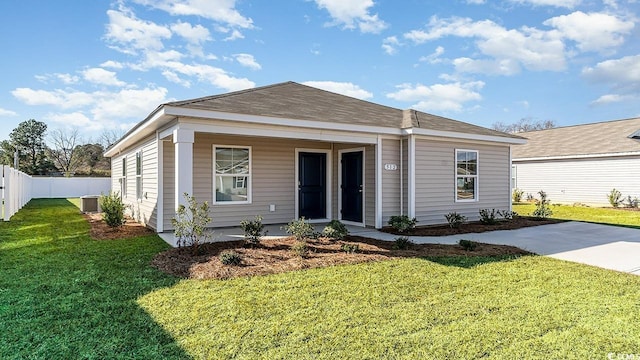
<point x="139" y="175"/>
<point x="466" y="175"/>
<point x="123" y="179"/>
<point x="232" y="174"/>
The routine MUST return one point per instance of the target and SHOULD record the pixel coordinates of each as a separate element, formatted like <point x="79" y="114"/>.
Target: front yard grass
<point x="64" y="295"/>
<point x="609" y="216"/>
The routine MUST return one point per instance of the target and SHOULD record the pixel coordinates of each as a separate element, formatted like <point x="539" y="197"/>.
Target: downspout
<point x="401" y="178"/>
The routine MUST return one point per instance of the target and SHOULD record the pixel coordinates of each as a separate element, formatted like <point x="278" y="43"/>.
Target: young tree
<point x="28" y="139"/>
<point x="7" y="152"/>
<point x="64" y="152"/>
<point x="523" y="125"/>
<point x="90" y="158"/>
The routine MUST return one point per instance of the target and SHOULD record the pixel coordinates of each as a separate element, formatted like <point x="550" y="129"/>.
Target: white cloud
<point x="476" y="2"/>
<point x="60" y="98"/>
<point x="5" y="112"/>
<point x="235" y="35"/>
<point x="439" y="97"/>
<point x="222" y="11"/>
<point x="623" y="72"/>
<point x="529" y="47"/>
<point x="112" y="64"/>
<point x="390" y="44"/>
<point x="193" y="34"/>
<point x="130" y="34"/>
<point x="344" y="88"/>
<point x="434" y="58"/>
<point x="102" y="77"/>
<point x="127" y="104"/>
<point x="592" y="31"/>
<point x="353" y="13"/>
<point x="75" y="119"/>
<point x="488" y="67"/>
<point x="174" y="78"/>
<point x="570" y="4"/>
<point x="247" y="60"/>
<point x="611" y="99"/>
<point x="65" y="78"/>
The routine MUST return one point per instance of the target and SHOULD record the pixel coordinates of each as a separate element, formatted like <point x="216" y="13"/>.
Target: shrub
<point x="253" y="230"/>
<point x="632" y="202"/>
<point x="530" y="198"/>
<point x="542" y="210"/>
<point x="300" y="248"/>
<point x="230" y="258"/>
<point x="350" y="248"/>
<point x="402" y="223"/>
<point x="190" y="223"/>
<point x="300" y="228"/>
<point x="517" y="195"/>
<point x="335" y="230"/>
<point x="615" y="197"/>
<point x="507" y="214"/>
<point x="455" y="220"/>
<point x="402" y="243"/>
<point x="468" y="245"/>
<point x="112" y="209"/>
<point x="488" y="217"/>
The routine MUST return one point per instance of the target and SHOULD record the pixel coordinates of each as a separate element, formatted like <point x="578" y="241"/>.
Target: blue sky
<point x="100" y="65"/>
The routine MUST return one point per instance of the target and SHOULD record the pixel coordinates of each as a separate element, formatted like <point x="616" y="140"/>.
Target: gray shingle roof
<point x="590" y="139"/>
<point x="296" y="101"/>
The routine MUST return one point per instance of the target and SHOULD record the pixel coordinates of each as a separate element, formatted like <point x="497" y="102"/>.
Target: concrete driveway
<point x="609" y="247"/>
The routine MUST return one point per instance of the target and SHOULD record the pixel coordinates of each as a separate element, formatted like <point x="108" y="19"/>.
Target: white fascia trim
<point x="585" y="156"/>
<point x="464" y="136"/>
<point x="208" y="114"/>
<point x="378" y="222"/>
<point x="125" y="142"/>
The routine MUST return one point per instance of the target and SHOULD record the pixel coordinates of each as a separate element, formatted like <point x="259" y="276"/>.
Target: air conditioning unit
<point x="90" y="204"/>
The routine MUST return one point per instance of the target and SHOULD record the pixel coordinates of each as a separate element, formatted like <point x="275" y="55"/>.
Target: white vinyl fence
<point x="18" y="188"/>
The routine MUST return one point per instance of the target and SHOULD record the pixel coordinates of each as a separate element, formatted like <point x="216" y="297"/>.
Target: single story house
<point x="582" y="163"/>
<point x="288" y="150"/>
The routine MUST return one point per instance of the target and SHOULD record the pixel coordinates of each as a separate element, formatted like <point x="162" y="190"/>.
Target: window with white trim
<point x="466" y="175"/>
<point x="139" y="175"/>
<point x="232" y="174"/>
<point x="123" y="179"/>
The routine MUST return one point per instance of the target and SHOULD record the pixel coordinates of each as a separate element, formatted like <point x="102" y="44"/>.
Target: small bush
<point x="112" y="209"/>
<point x="530" y="198"/>
<point x="253" y="230"/>
<point x="300" y="248"/>
<point x="402" y="223"/>
<point x="301" y="229"/>
<point x="455" y="220"/>
<point x="507" y="214"/>
<point x="190" y="223"/>
<point x="488" y="217"/>
<point x="615" y="198"/>
<point x="542" y="210"/>
<point x="350" y="248"/>
<point x="230" y="258"/>
<point x="632" y="202"/>
<point x="517" y="195"/>
<point x="335" y="230"/>
<point x="468" y="245"/>
<point x="402" y="243"/>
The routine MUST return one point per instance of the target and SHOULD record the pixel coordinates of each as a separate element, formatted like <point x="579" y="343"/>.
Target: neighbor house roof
<point x="604" y="138"/>
<point x="293" y="101"/>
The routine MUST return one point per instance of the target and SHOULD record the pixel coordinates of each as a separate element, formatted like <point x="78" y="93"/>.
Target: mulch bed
<point x="473" y="227"/>
<point x="275" y="256"/>
<point x="101" y="231"/>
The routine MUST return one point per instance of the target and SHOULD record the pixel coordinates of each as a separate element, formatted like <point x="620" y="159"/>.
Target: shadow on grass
<point x="64" y="295"/>
<point x="469" y="262"/>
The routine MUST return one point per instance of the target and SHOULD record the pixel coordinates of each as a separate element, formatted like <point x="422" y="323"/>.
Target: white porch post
<point x="378" y="222"/>
<point x="411" y="181"/>
<point x="183" y="142"/>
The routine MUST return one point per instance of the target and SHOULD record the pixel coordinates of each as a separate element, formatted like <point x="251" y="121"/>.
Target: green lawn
<point x="63" y="295"/>
<point x="589" y="214"/>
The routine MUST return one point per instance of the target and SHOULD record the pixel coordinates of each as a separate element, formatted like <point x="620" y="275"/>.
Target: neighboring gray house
<point x="581" y="163"/>
<point x="288" y="150"/>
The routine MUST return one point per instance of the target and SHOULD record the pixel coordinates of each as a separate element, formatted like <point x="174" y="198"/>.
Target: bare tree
<point x="523" y="125"/>
<point x="110" y="137"/>
<point x="63" y="151"/>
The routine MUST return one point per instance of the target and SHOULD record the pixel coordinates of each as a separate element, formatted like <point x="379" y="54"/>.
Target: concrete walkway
<point x="609" y="247"/>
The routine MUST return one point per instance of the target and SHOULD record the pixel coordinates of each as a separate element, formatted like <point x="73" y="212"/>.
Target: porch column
<point x="183" y="142"/>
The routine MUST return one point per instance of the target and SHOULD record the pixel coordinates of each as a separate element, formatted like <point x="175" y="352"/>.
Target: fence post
<point x="7" y="191"/>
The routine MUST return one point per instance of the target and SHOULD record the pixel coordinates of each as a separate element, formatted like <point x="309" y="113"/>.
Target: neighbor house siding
<point x="585" y="181"/>
<point x="435" y="180"/>
<point x="390" y="179"/>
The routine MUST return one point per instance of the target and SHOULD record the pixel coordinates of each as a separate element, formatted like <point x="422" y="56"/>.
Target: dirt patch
<point x="275" y="256"/>
<point x="101" y="231"/>
<point x="473" y="227"/>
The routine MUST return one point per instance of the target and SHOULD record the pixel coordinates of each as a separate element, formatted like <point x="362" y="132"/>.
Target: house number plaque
<point x="391" y="167"/>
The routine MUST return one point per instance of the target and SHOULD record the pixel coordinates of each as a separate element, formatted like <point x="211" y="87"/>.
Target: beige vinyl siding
<point x="168" y="184"/>
<point x="390" y="180"/>
<point x="435" y="180"/>
<point x="585" y="181"/>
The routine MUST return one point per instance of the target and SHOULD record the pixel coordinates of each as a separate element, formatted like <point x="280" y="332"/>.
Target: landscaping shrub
<point x="615" y="198"/>
<point x="455" y="220"/>
<point x="632" y="202"/>
<point x="300" y="228"/>
<point x="517" y="195"/>
<point x="190" y="223"/>
<point x="350" y="248"/>
<point x="530" y="198"/>
<point x="488" y="217"/>
<point x="112" y="209"/>
<point x="542" y="210"/>
<point x="507" y="214"/>
<point x="468" y="245"/>
<point x="402" y="223"/>
<point x="402" y="243"/>
<point x="230" y="258"/>
<point x="300" y="248"/>
<point x="253" y="230"/>
<point x="335" y="230"/>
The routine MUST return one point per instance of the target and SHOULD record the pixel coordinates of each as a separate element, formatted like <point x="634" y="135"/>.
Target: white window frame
<point x="249" y="176"/>
<point x="139" y="188"/>
<point x="123" y="178"/>
<point x="476" y="177"/>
